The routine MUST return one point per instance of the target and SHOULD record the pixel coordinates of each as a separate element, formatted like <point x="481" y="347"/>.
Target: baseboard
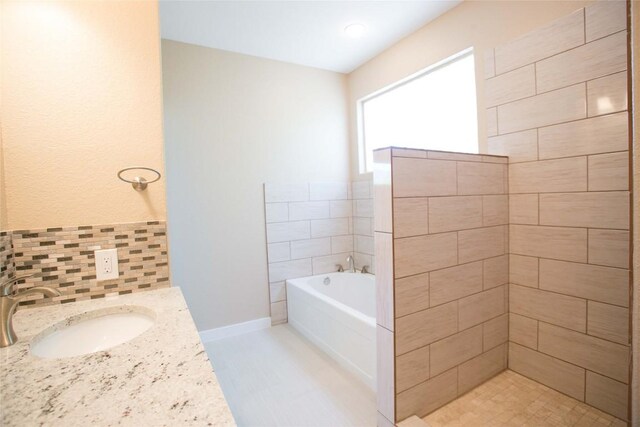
<point x="236" y="329"/>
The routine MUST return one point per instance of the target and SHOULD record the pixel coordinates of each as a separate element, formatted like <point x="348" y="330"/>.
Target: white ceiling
<point x="301" y="32"/>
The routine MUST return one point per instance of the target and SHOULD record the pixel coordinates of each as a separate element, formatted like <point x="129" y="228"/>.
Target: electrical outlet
<point x="106" y="264"/>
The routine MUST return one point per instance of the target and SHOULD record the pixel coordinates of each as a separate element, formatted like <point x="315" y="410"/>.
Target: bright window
<point x="435" y="109"/>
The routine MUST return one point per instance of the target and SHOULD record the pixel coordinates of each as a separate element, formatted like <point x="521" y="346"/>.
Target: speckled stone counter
<point x="160" y="378"/>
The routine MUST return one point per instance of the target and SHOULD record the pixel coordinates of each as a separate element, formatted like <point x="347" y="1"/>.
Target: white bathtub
<point x="336" y="311"/>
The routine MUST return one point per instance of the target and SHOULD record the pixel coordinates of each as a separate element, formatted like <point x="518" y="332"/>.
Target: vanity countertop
<point x="162" y="377"/>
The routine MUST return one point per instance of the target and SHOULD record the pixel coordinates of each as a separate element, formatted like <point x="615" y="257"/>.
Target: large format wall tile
<point x="562" y="310"/>
<point x="511" y="86"/>
<point x="523" y="330"/>
<point x="519" y="146"/>
<point x="548" y="370"/>
<point x="454" y="283"/>
<point x="609" y="322"/>
<point x="523" y="208"/>
<point x="606" y="394"/>
<point x="591" y="136"/>
<point x="609" y="172"/>
<point x="607" y="94"/>
<point x="549" y="108"/>
<point x="423" y="177"/>
<point x="495" y="271"/>
<point x="384" y="280"/>
<point x="412" y="368"/>
<point x="411" y="294"/>
<point x="385" y="360"/>
<point x="604" y="18"/>
<point x="481" y="307"/>
<point x="428" y="396"/>
<point x="481" y="243"/>
<point x="410" y="216"/>
<point x="480" y="178"/>
<point x="382" y="203"/>
<point x="495" y="332"/>
<point x="604" y="284"/>
<point x="592" y="60"/>
<point x="556" y="37"/>
<point x="608" y="209"/>
<point x="424" y="327"/>
<point x="287" y="231"/>
<point x="609" y="247"/>
<point x="562" y="243"/>
<point x="420" y="254"/>
<point x="481" y="368"/>
<point x="455" y="349"/>
<point x="454" y="213"/>
<point x="549" y="176"/>
<point x="595" y="354"/>
<point x="523" y="270"/>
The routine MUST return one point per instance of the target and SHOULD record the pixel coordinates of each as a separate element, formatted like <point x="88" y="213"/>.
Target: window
<point x="435" y="109"/>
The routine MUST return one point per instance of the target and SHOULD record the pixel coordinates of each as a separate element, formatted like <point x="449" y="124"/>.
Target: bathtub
<point x="336" y="311"/>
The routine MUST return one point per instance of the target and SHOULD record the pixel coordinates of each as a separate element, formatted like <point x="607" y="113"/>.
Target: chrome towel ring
<point x="139" y="183"/>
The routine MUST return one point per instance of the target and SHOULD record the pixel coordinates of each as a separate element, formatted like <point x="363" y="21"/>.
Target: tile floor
<point x="510" y="399"/>
<point x="275" y="377"/>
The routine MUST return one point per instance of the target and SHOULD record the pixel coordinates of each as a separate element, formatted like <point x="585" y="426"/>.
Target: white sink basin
<point x="92" y="331"/>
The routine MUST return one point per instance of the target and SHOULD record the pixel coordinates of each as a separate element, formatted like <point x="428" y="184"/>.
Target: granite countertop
<point x="160" y="378"/>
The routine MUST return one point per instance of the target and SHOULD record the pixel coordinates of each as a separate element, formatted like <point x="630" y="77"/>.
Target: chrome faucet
<point x="352" y="264"/>
<point x="8" y="304"/>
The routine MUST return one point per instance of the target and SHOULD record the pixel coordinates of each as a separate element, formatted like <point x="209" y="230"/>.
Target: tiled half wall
<point x="557" y="101"/>
<point x="442" y="268"/>
<point x="63" y="258"/>
<point x="312" y="227"/>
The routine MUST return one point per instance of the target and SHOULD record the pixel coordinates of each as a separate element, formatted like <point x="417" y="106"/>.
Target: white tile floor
<point x="275" y="377"/>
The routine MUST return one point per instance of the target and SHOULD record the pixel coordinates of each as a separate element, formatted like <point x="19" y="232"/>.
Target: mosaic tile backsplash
<point x="7" y="267"/>
<point x="63" y="258"/>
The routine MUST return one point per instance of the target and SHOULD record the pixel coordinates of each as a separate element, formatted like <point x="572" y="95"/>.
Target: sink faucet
<point x="351" y="263"/>
<point x="8" y="304"/>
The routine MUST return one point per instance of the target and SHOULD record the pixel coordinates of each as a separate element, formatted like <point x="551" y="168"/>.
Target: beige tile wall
<point x="313" y="227"/>
<point x="560" y="99"/>
<point x="446" y="236"/>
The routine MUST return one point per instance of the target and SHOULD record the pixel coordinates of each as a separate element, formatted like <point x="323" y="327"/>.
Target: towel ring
<point x="139" y="183"/>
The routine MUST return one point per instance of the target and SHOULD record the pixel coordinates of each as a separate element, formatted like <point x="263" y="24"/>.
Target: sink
<point x="92" y="331"/>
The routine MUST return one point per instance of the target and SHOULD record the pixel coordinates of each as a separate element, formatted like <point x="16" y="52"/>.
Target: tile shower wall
<point x="441" y="230"/>
<point x="312" y="227"/>
<point x="557" y="101"/>
<point x="63" y="258"/>
<point x="363" y="246"/>
<point x="309" y="231"/>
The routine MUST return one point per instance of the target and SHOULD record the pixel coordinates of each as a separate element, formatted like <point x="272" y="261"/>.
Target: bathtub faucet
<point x="352" y="264"/>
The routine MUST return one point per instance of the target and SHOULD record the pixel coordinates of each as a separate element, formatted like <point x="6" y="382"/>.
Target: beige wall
<point x="480" y="24"/>
<point x="81" y="99"/>
<point x="4" y="221"/>
<point x="232" y="123"/>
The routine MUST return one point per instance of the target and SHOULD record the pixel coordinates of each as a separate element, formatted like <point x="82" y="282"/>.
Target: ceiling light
<point x="355" y="31"/>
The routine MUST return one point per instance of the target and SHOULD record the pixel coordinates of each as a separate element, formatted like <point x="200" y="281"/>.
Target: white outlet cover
<point x="106" y="264"/>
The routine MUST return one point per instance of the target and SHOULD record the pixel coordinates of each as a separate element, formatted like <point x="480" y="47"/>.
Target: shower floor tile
<point x="509" y="399"/>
